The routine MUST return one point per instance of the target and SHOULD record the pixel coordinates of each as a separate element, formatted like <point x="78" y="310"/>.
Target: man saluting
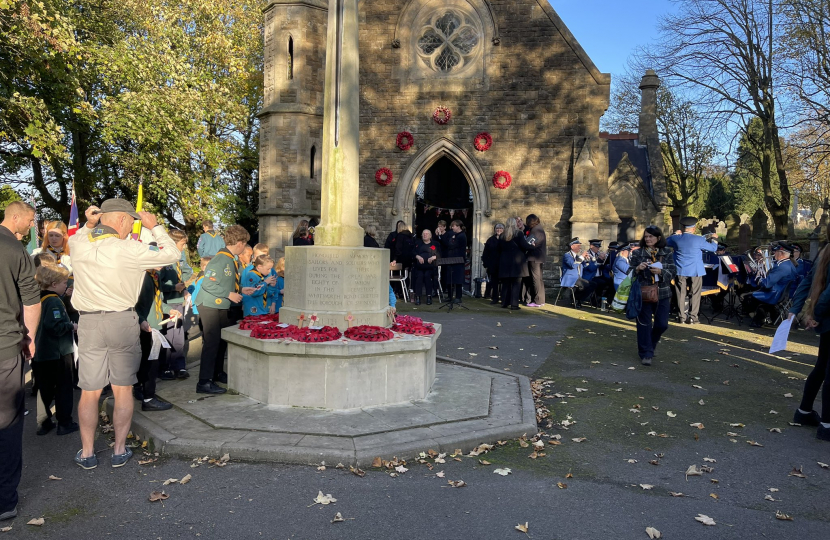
<point x="109" y="271"/>
<point x="688" y="258"/>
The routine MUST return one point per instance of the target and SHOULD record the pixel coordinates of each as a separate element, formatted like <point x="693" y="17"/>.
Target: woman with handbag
<point x="654" y="270"/>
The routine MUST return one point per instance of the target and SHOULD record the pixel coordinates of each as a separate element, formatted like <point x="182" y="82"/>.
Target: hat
<point x="574" y="241"/>
<point x="118" y="205"/>
<point x="779" y="246"/>
<point x="624" y="247"/>
<point x="614" y="245"/>
<point x="797" y="246"/>
<point x="722" y="246"/>
<point x="689" y="221"/>
<point x="595" y="242"/>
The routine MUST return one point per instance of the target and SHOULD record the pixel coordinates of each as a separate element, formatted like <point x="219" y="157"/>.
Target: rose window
<point x="449" y="40"/>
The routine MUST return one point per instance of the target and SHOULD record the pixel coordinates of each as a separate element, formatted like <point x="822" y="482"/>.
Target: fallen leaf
<point x="774" y="490"/>
<point x="522" y="528"/>
<point x="632" y="461"/>
<point x="158" y="496"/>
<point x="581" y="389"/>
<point x="697" y="386"/>
<point x="321" y="468"/>
<point x="754" y="443"/>
<point x="484" y="462"/>
<point x="788" y="395"/>
<point x="569" y="475"/>
<point x="706" y="520"/>
<point x="773" y="412"/>
<point x="579" y="439"/>
<point x="53" y="477"/>
<point x="170" y="481"/>
<point x="769" y="498"/>
<point x="709" y="460"/>
<point x="670" y="414"/>
<point x="357" y="472"/>
<point x="646" y="487"/>
<point x="401" y="469"/>
<point x="153" y="460"/>
<point x="440" y="474"/>
<point x="324" y="499"/>
<point x="693" y="471"/>
<point x="823" y="465"/>
<point x="377" y="462"/>
<point x="503" y="472"/>
<point x="498" y="324"/>
<point x="676" y="494"/>
<point x="653" y="533"/>
<point x="338" y="517"/>
<point x="561" y="485"/>
<point x="698" y="425"/>
<point x="701" y="402"/>
<point x="224" y="459"/>
<point x="654" y="462"/>
<point x="798" y="473"/>
<point x="737" y="424"/>
<point x="534" y="455"/>
<point x="457" y="483"/>
<point x="775" y="430"/>
<point x="782" y="516"/>
<point x="36" y="522"/>
<point x="714" y="496"/>
<point x="5" y="529"/>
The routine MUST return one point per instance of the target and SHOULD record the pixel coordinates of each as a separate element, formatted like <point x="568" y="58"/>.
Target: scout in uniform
<point x="688" y="258"/>
<point x="109" y="271"/>
<point x="219" y="291"/>
<point x="210" y="242"/>
<point x="152" y="311"/>
<point x="277" y="290"/>
<point x="173" y="278"/>
<point x="257" y="278"/>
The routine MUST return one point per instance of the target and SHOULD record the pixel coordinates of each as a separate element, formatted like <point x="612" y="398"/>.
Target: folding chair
<point x="399" y="274"/>
<point x="571" y="289"/>
<point x="782" y="307"/>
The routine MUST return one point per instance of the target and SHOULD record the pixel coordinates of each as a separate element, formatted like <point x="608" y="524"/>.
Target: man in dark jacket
<point x="490" y="261"/>
<point x="535" y="236"/>
<point x="19" y="317"/>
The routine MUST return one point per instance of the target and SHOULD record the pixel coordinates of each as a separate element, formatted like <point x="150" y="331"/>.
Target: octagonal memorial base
<point x="342" y="374"/>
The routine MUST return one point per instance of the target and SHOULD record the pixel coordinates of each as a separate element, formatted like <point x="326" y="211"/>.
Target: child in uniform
<point x="257" y="278"/>
<point x="193" y="289"/>
<point x="277" y="290"/>
<point x="54" y="347"/>
<point x="172" y="279"/>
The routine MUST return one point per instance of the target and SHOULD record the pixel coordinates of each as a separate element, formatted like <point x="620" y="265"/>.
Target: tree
<point x="724" y="52"/>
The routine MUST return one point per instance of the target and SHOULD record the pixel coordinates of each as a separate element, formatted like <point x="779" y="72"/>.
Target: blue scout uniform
<point x="255" y="303"/>
<point x="688" y="256"/>
<point x="210" y="243"/>
<point x="274" y="294"/>
<point x="194" y="289"/>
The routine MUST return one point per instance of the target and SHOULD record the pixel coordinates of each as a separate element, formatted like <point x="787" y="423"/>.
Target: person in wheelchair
<point x="763" y="301"/>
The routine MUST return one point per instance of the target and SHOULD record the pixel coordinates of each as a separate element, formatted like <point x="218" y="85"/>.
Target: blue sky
<point x="609" y="31"/>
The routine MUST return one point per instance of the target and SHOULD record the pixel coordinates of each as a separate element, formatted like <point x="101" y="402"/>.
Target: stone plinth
<point x="341" y="374"/>
<point x="335" y="281"/>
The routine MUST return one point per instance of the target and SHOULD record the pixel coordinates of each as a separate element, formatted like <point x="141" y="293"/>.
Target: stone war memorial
<point x="344" y="400"/>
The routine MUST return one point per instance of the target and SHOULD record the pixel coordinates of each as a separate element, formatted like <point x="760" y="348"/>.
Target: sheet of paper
<point x="779" y="341"/>
<point x="657" y="265"/>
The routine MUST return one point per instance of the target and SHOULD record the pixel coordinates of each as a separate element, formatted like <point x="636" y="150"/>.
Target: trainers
<point x="809" y="419"/>
<point x="646" y="361"/>
<point x="155" y="405"/>
<point x="167" y="376"/>
<point x="45" y="427"/>
<point x="86" y="462"/>
<point x="209" y="388"/>
<point x="119" y="460"/>
<point x="822" y="433"/>
<point x="221" y="378"/>
<point x="8" y="515"/>
<point x="533" y="304"/>
<point x="182" y="374"/>
<point x="66" y="429"/>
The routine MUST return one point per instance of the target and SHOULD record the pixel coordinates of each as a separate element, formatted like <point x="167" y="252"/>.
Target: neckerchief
<point x="265" y="295"/>
<point x="102" y="231"/>
<point x="156" y="293"/>
<point x="58" y="253"/>
<point x="235" y="265"/>
<point x="50" y="295"/>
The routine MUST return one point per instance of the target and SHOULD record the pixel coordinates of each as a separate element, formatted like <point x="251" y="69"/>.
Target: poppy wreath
<point x="405" y="140"/>
<point x="483" y="141"/>
<point x="318" y="335"/>
<point x="252" y="321"/>
<point x="272" y="331"/>
<point x="408" y="319"/>
<point x="442" y="115"/>
<point x="383" y="176"/>
<point x="366" y="332"/>
<point x="502" y="179"/>
<point x="414" y="329"/>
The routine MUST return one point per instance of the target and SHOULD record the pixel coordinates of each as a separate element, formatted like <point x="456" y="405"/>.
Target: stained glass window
<point x="447" y="41"/>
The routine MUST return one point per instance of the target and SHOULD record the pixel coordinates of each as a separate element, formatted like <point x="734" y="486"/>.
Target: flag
<point x="139" y="206"/>
<point x="73" y="215"/>
<point x="33" y="239"/>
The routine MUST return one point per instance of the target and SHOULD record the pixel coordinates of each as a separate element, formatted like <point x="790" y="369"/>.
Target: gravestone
<point x="759" y="227"/>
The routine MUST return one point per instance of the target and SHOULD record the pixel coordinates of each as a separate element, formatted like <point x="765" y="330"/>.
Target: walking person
<point x="653" y="264"/>
<point x="535" y="260"/>
<point x="816" y="287"/>
<point x="19" y="317"/>
<point x="688" y="258"/>
<point x="512" y="263"/>
<point x="109" y="272"/>
<point x="490" y="261"/>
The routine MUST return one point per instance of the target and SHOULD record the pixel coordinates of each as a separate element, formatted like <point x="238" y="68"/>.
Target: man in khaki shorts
<point x="108" y="275"/>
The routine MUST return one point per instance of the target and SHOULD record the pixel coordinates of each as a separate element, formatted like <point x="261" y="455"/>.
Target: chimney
<point x="648" y="106"/>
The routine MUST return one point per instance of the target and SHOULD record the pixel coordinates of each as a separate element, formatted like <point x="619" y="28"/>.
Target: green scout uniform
<point x="150" y="306"/>
<point x="54" y="337"/>
<point x="221" y="279"/>
<point x="53" y="361"/>
<point x="178" y="272"/>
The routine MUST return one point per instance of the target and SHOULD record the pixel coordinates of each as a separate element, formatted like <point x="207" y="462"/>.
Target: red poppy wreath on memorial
<point x="414" y="329"/>
<point x="366" y="332"/>
<point x="405" y="140"/>
<point x="383" y="176"/>
<point x="442" y="115"/>
<point x="483" y="141"/>
<point x="317" y="335"/>
<point x="252" y="321"/>
<point x="502" y="179"/>
<point x="273" y="331"/>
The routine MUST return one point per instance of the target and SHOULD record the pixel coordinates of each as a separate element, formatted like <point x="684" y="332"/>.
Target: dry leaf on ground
<point x="709" y="460"/>
<point x="782" y="516"/>
<point x="706" y="520"/>
<point x="670" y="414"/>
<point x="769" y="498"/>
<point x="357" y="471"/>
<point x="377" y="463"/>
<point x="676" y="494"/>
<point x="158" y="496"/>
<point x="457" y="483"/>
<point x="401" y="469"/>
<point x="579" y="439"/>
<point x="646" y="487"/>
<point x="522" y="528"/>
<point x="653" y="533"/>
<point x="697" y="425"/>
<point x="774" y="490"/>
<point x="53" y="477"/>
<point x="775" y="430"/>
<point x="693" y="471"/>
<point x="338" y="517"/>
<point x="170" y="481"/>
<point x="562" y="485"/>
<point x="754" y="443"/>
<point x="440" y="474"/>
<point x="187" y="478"/>
<point x="321" y="468"/>
<point x="714" y="496"/>
<point x="798" y="473"/>
<point x="36" y="522"/>
<point x="788" y="395"/>
<point x="324" y="499"/>
<point x="5" y="529"/>
<point x="504" y="472"/>
<point x="823" y="465"/>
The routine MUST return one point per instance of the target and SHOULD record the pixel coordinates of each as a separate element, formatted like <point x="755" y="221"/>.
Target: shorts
<point x="109" y="349"/>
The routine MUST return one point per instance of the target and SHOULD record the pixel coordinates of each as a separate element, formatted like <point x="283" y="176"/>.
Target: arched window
<point x="311" y="161"/>
<point x="448" y="40"/>
<point x="290" y="57"/>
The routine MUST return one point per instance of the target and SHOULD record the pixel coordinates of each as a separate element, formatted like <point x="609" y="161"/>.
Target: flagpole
<point x="139" y="206"/>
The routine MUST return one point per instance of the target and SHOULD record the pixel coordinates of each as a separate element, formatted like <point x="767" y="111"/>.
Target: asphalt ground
<point x="576" y="490"/>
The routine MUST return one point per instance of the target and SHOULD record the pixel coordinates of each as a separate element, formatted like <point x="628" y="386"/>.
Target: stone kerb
<point x="335" y="281"/>
<point x="341" y="374"/>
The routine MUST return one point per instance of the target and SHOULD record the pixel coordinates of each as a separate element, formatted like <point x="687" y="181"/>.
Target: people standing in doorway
<point x="302" y="236"/>
<point x="653" y="264"/>
<point x="535" y="260"/>
<point x="392" y="238"/>
<point x="688" y="258"/>
<point x="210" y="242"/>
<point x="490" y="261"/>
<point x="454" y="242"/>
<point x="424" y="268"/>
<point x="512" y="248"/>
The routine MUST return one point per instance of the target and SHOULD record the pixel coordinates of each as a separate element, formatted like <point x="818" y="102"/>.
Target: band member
<point x="621" y="265"/>
<point x="573" y="268"/>
<point x="802" y="266"/>
<point x="782" y="273"/>
<point x="594" y="257"/>
<point x="605" y="273"/>
<point x="690" y="270"/>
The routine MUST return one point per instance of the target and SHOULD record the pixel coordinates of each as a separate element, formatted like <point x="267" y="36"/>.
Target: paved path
<point x="603" y="497"/>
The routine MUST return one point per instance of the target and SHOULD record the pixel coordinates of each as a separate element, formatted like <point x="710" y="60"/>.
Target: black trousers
<point x="749" y="304"/>
<point x="54" y="381"/>
<point x="534" y="283"/>
<point x="422" y="278"/>
<point x="493" y="289"/>
<point x="12" y="410"/>
<point x="511" y="290"/>
<point x="148" y="370"/>
<point x="213" y="346"/>
<point x="604" y="288"/>
<point x="819" y="378"/>
<point x="177" y="337"/>
<point x="695" y="284"/>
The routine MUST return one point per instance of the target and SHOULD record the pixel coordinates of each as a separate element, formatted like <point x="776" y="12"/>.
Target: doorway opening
<point x="627" y="230"/>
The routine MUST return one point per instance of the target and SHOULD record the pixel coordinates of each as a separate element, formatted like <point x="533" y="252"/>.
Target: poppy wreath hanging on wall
<point x="483" y="141"/>
<point x="366" y="332"/>
<point x="502" y="179"/>
<point x="383" y="176"/>
<point x="405" y="140"/>
<point x="442" y="115"/>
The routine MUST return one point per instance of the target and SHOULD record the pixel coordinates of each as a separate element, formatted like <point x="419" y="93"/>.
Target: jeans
<point x="12" y="410"/>
<point x="652" y="321"/>
<point x="818" y="377"/>
<point x="535" y="284"/>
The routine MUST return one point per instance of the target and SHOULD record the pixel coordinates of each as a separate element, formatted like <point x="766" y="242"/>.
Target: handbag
<point x="651" y="293"/>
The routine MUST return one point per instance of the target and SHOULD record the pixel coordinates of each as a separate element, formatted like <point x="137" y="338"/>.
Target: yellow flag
<point x="139" y="206"/>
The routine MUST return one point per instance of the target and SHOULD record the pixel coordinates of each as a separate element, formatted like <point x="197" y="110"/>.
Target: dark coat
<point x="307" y="241"/>
<point x="425" y="251"/>
<point x="490" y="256"/>
<point x="538" y="253"/>
<point x="513" y="257"/>
<point x="455" y="245"/>
<point x="666" y="257"/>
<point x="368" y="241"/>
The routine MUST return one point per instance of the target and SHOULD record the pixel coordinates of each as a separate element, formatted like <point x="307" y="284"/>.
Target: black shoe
<point x="182" y="374"/>
<point x="209" y="388"/>
<point x="646" y="361"/>
<point x="138" y="394"/>
<point x="167" y="376"/>
<point x="494" y="302"/>
<point x="9" y="514"/>
<point x="221" y="378"/>
<point x="505" y="307"/>
<point x="456" y="301"/>
<point x="753" y="324"/>
<point x="45" y="427"/>
<point x="515" y="308"/>
<point x="823" y="433"/>
<point x="66" y="429"/>
<point x="417" y="300"/>
<point x="155" y="405"/>
<point x="429" y="300"/>
<point x="811" y="418"/>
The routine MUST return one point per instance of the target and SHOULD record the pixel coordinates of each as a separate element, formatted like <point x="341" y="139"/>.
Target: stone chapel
<point x="470" y="109"/>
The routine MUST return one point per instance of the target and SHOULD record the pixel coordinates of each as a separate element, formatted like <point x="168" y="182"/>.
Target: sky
<point x="610" y="30"/>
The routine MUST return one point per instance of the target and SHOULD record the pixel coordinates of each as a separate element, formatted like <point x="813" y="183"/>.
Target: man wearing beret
<point x="688" y="258"/>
